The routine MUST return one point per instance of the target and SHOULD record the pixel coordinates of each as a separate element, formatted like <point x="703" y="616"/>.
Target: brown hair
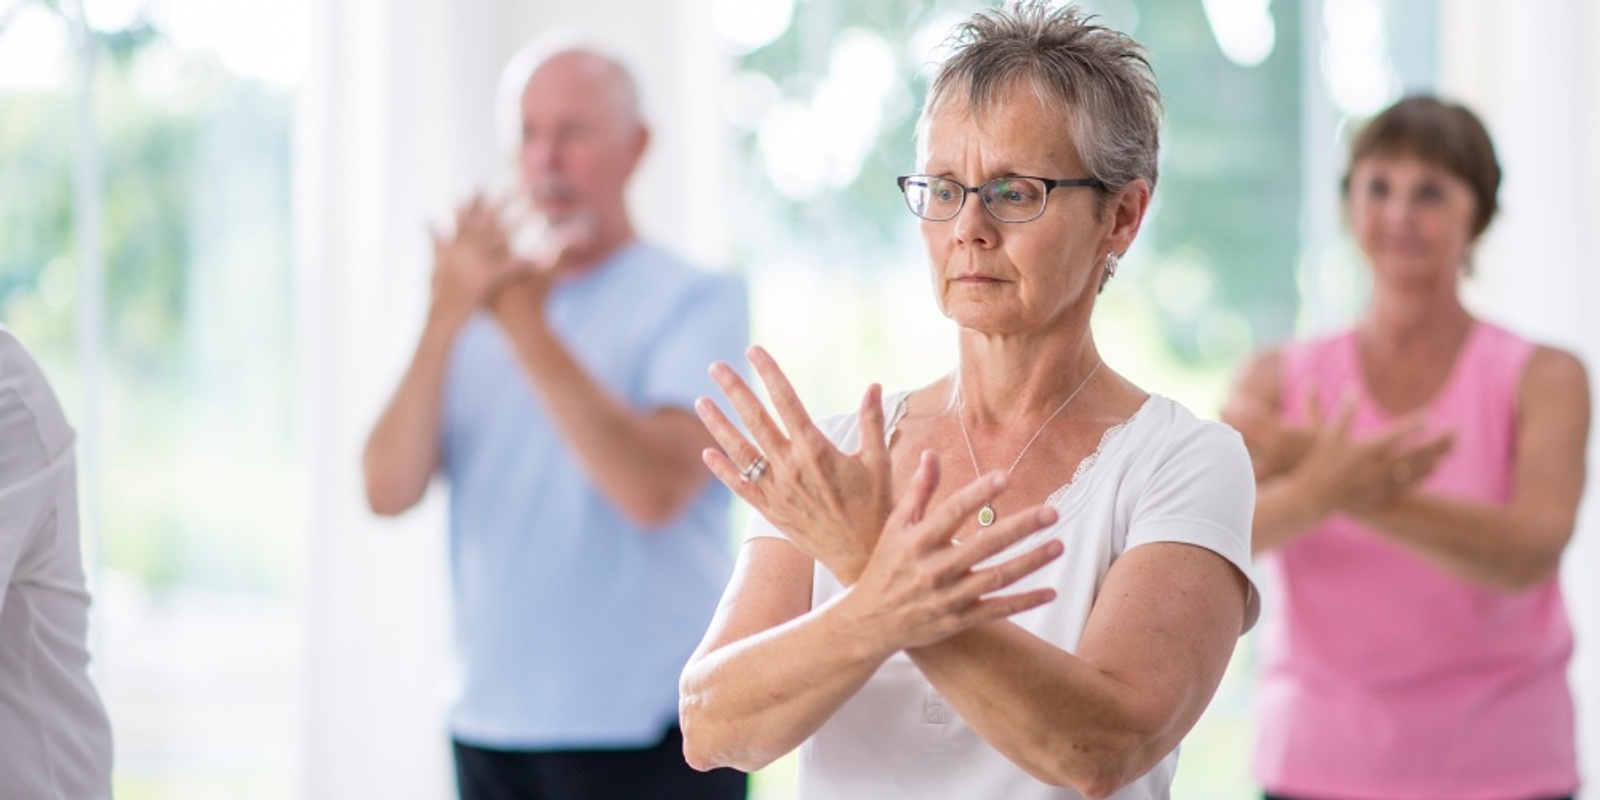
<point x="1099" y="78"/>
<point x="1444" y="134"/>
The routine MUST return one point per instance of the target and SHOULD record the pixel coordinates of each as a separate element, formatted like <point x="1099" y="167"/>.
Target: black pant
<point x="654" y="773"/>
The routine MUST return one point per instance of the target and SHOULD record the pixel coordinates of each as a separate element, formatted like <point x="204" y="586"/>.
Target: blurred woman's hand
<point x="1340" y="473"/>
<point x="1275" y="446"/>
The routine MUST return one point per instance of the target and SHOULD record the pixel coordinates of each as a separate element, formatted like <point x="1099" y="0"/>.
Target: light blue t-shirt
<point x="572" y="623"/>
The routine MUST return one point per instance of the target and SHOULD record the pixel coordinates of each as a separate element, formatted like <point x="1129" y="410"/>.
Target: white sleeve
<point x="761" y="528"/>
<point x="1202" y="493"/>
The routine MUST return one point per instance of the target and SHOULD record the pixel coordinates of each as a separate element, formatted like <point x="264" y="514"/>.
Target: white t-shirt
<point x="1162" y="476"/>
<point x="55" y="742"/>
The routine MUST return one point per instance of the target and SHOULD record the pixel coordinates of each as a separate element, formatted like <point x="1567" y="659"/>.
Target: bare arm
<point x="402" y="451"/>
<point x="1517" y="545"/>
<point x="645" y="461"/>
<point x="772" y="670"/>
<point x="1255" y="408"/>
<point x="768" y="673"/>
<point x="1160" y="636"/>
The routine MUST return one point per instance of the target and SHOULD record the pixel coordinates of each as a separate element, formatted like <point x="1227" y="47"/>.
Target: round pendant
<point x="986" y="515"/>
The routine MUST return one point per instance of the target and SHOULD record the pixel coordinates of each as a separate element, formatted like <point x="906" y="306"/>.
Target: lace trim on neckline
<point x="894" y="419"/>
<point x="1088" y="461"/>
<point x="1084" y="466"/>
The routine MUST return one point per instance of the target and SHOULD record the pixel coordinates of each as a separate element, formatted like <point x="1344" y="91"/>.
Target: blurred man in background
<point x="553" y="386"/>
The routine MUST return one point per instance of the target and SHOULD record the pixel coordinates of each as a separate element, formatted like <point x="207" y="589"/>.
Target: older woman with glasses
<point x="1050" y="603"/>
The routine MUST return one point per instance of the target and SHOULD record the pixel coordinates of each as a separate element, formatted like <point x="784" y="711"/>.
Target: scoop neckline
<point x="1446" y="387"/>
<point x="1063" y="499"/>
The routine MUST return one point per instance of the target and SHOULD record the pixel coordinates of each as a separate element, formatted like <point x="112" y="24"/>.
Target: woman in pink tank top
<point x="1418" y="477"/>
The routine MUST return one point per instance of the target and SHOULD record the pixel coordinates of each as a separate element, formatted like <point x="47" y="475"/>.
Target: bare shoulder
<point x="1554" y="369"/>
<point x="931" y="400"/>
<point x="1554" y="380"/>
<point x="923" y="407"/>
<point x="1260" y="377"/>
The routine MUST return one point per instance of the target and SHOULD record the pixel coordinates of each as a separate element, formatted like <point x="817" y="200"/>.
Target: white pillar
<point x="1531" y="70"/>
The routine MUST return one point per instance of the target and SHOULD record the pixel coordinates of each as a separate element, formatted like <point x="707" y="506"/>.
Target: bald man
<point x="553" y="388"/>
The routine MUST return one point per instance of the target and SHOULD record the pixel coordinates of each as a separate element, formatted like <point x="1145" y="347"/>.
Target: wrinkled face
<point x="1013" y="278"/>
<point x="1412" y="219"/>
<point x="579" y="143"/>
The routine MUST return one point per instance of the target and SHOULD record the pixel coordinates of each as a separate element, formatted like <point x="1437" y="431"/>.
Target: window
<point x="145" y="159"/>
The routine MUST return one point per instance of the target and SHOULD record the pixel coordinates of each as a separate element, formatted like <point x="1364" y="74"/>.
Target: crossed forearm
<point x="1500" y="547"/>
<point x="747" y="703"/>
<point x="646" y="463"/>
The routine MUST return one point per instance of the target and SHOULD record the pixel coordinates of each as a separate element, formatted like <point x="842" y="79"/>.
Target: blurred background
<point x="212" y="233"/>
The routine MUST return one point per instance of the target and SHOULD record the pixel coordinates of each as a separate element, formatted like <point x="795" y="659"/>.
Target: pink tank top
<point x="1383" y="676"/>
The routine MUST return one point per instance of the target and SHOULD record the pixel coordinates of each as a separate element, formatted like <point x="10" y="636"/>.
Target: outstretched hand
<point x="830" y="504"/>
<point x="919" y="586"/>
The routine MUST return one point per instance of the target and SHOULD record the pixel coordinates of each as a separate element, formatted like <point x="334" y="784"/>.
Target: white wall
<point x="395" y="124"/>
<point x="1533" y="71"/>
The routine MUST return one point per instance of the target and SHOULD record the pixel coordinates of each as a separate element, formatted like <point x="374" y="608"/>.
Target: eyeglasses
<point x="1014" y="198"/>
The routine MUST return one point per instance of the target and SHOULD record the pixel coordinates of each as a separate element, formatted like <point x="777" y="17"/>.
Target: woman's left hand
<point x="831" y="505"/>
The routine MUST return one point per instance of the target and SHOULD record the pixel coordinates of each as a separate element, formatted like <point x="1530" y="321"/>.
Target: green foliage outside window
<point x="194" y="402"/>
<point x="1216" y="261"/>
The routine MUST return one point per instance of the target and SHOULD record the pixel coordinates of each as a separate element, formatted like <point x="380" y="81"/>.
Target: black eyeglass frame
<point x="1050" y="184"/>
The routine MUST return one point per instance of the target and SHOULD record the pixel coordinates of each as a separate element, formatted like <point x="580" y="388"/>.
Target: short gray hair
<point x="1100" y="79"/>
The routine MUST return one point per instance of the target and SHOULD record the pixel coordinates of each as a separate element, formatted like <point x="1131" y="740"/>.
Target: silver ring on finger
<point x="753" y="473"/>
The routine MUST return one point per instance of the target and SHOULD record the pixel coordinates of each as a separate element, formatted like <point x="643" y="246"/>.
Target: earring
<point x="1112" y="260"/>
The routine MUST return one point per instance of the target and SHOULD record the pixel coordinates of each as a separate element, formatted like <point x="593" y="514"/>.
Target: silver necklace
<point x="986" y="514"/>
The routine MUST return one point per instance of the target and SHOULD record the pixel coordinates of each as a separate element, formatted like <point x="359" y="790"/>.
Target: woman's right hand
<point x="920" y="586"/>
<point x="1345" y="474"/>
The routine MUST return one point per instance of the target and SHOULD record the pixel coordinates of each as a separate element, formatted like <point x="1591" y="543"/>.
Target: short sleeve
<point x="710" y="324"/>
<point x="761" y="528"/>
<point x="1203" y="494"/>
